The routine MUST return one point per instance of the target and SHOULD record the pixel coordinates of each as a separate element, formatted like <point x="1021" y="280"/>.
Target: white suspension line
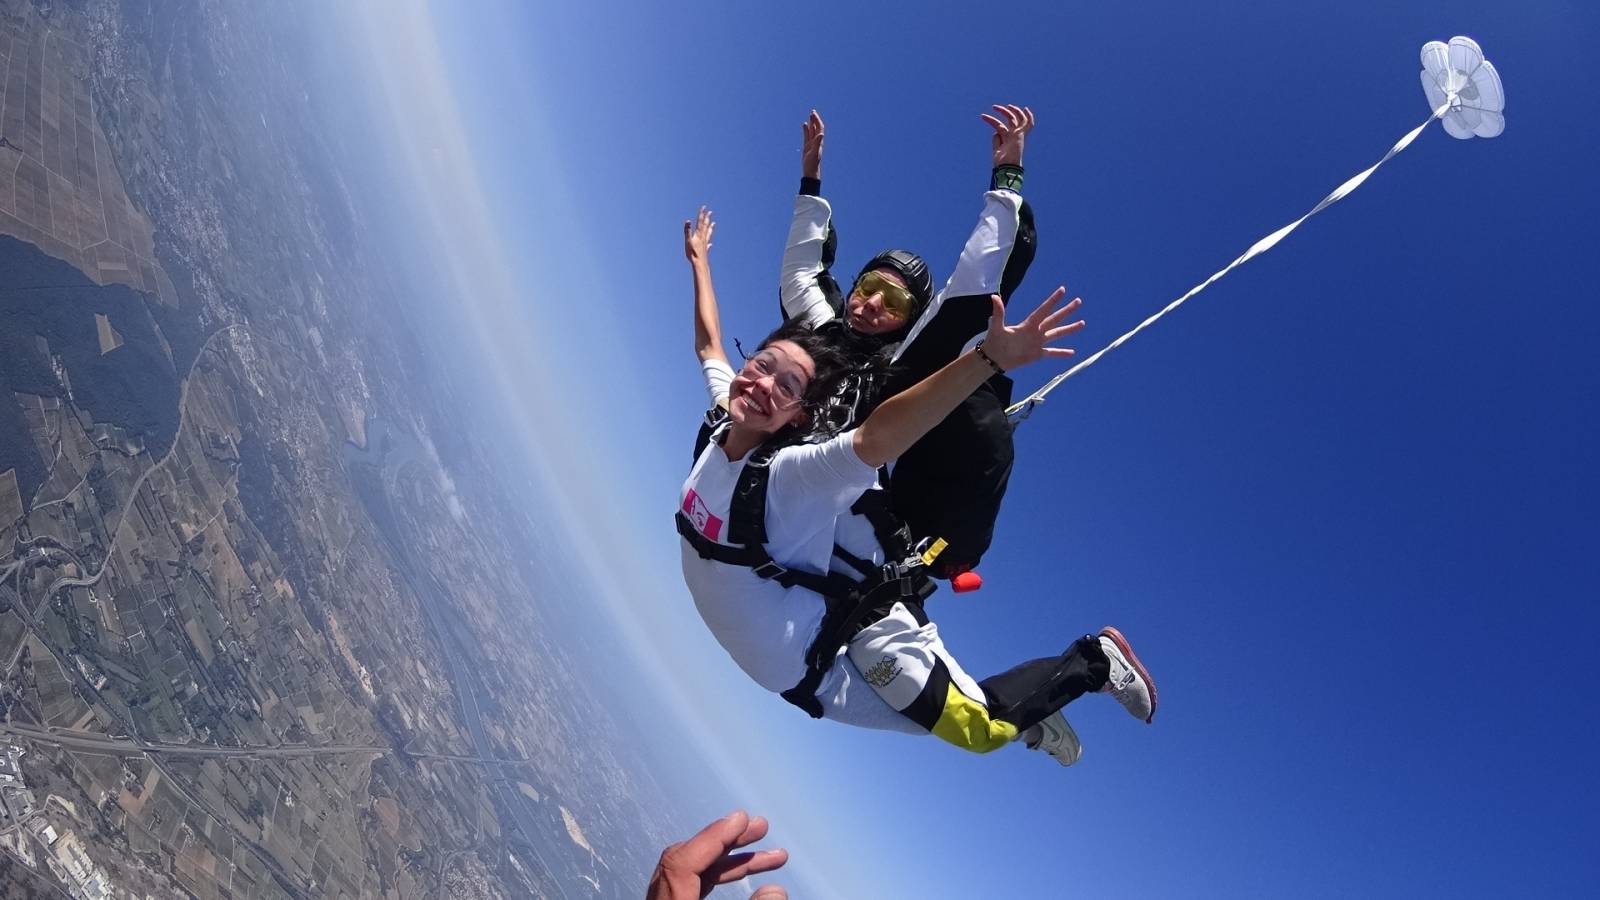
<point x="1024" y="407"/>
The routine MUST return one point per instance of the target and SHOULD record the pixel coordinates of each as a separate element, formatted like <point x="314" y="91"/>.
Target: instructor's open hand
<point x="689" y="870"/>
<point x="811" y="134"/>
<point x="1011" y="346"/>
<point x="1011" y="125"/>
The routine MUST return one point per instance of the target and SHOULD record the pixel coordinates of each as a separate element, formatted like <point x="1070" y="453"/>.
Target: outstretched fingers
<point x="1054" y="331"/>
<point x="743" y="865"/>
<point x="709" y="852"/>
<point x="695" y="866"/>
<point x="1051" y="324"/>
<point x="698" y="853"/>
<point x="1029" y="340"/>
<point x="811" y="138"/>
<point x="1018" y="118"/>
<point x="735" y="866"/>
<point x="1012" y="121"/>
<point x="697" y="233"/>
<point x="811" y="130"/>
<point x="1051" y="320"/>
<point x="1042" y="311"/>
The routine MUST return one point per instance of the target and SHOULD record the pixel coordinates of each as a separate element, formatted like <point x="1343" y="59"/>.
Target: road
<point x="434" y="600"/>
<point x="105" y="743"/>
<point x="291" y="885"/>
<point x="138" y="485"/>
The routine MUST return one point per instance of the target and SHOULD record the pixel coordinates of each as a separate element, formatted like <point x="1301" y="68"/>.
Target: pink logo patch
<point x="704" y="521"/>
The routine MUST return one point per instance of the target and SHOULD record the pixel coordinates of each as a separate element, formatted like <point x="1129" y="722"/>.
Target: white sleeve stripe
<point x="802" y="260"/>
<point x="983" y="260"/>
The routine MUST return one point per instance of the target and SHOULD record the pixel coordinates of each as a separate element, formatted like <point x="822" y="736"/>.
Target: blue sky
<point x="1343" y="502"/>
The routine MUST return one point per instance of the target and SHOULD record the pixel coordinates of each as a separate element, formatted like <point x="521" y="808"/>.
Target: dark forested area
<point x="47" y="308"/>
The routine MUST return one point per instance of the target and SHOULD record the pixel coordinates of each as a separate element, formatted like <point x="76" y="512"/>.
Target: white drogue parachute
<point x="1455" y="75"/>
<point x="1463" y="90"/>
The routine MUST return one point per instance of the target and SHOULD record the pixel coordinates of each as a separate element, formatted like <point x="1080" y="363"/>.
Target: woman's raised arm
<point x="707" y="321"/>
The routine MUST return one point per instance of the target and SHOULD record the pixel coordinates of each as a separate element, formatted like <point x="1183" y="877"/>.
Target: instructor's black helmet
<point x="915" y="272"/>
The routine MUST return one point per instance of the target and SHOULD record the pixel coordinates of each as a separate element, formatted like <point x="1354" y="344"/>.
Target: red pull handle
<point x="966" y="582"/>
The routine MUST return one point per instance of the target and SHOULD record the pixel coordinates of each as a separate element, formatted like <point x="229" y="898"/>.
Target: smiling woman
<point x="773" y="383"/>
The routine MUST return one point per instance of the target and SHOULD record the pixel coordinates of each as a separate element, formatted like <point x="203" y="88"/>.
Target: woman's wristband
<point x="986" y="358"/>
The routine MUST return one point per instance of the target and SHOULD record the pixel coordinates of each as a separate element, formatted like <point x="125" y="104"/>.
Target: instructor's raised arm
<point x="800" y="289"/>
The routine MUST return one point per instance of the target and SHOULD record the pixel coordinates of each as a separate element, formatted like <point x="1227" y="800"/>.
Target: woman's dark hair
<point x="830" y="365"/>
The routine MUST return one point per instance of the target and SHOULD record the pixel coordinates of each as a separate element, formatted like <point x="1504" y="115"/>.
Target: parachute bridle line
<point x="1023" y="408"/>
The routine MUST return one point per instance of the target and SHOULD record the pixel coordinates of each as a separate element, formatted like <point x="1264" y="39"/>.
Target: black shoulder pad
<point x="714" y="418"/>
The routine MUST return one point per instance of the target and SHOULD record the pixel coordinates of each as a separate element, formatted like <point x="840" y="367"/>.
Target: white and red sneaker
<point x="1130" y="682"/>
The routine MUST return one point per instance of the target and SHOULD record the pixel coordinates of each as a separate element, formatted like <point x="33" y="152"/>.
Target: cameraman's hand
<point x="689" y="870"/>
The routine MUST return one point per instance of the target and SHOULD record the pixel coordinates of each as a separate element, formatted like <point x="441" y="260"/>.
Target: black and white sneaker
<point x="1130" y="681"/>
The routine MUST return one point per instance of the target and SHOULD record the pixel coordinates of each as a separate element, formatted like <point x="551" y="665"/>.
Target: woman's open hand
<point x="697" y="237"/>
<point x="1012" y="346"/>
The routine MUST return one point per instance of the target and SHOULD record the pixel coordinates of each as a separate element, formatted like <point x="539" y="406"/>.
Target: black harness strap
<point x="892" y="534"/>
<point x="747" y="510"/>
<point x="869" y="601"/>
<point x="864" y="566"/>
<point x="756" y="558"/>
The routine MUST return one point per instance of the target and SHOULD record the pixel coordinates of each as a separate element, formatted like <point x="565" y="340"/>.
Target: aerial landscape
<point x="251" y="633"/>
<point x="352" y="354"/>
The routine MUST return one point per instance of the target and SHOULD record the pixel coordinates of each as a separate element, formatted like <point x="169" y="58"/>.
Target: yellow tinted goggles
<point x="896" y="298"/>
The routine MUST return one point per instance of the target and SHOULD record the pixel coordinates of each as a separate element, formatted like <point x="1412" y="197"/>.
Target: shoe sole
<point x="1133" y="659"/>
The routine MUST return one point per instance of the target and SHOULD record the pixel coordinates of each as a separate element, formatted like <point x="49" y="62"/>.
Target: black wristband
<point x="1006" y="177"/>
<point x="811" y="187"/>
<point x="985" y="357"/>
